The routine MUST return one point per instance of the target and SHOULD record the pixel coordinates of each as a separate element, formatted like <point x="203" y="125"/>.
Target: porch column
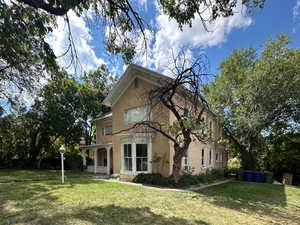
<point x="95" y="160"/>
<point x="84" y="157"/>
<point x="108" y="160"/>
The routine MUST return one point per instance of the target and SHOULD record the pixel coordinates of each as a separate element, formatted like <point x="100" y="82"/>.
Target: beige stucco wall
<point x="134" y="96"/>
<point x="162" y="149"/>
<point x="100" y="138"/>
<point x="195" y="148"/>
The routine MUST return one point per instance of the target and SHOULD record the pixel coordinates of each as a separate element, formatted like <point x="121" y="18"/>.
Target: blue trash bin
<point x="248" y="176"/>
<point x="258" y="176"/>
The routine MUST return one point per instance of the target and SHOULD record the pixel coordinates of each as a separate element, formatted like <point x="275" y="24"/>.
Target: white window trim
<point x="133" y="149"/>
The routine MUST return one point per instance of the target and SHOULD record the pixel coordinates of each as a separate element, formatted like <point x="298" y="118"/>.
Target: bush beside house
<point x="184" y="181"/>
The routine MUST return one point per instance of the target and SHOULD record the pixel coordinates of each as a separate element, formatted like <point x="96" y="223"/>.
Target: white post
<point x="95" y="160"/>
<point x="84" y="157"/>
<point x="108" y="160"/>
<point x="149" y="148"/>
<point x="133" y="149"/>
<point x="62" y="168"/>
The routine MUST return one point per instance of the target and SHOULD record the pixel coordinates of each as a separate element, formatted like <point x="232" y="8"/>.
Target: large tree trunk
<point x="177" y="163"/>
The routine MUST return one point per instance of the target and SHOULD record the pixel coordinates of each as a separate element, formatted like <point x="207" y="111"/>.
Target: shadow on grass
<point x="34" y="204"/>
<point x="249" y="197"/>
<point x="113" y="215"/>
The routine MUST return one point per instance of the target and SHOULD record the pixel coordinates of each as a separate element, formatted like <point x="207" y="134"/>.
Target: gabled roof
<point x="133" y="71"/>
<point x="102" y="116"/>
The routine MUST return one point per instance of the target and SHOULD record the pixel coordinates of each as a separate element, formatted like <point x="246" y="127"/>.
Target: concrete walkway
<point x="192" y="188"/>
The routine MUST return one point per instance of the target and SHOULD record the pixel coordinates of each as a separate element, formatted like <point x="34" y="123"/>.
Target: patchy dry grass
<point x="85" y="201"/>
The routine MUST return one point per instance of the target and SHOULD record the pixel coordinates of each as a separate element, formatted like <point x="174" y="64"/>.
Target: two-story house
<point x="136" y="151"/>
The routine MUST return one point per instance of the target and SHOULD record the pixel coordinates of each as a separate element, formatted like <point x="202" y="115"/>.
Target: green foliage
<point x="233" y="165"/>
<point x="253" y="93"/>
<point x="62" y="113"/>
<point x="152" y="179"/>
<point x="283" y="154"/>
<point x="73" y="160"/>
<point x="184" y="12"/>
<point x="25" y="56"/>
<point x="203" y="178"/>
<point x="184" y="180"/>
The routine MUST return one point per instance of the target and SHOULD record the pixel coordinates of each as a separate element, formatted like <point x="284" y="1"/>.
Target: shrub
<point x="213" y="174"/>
<point x="73" y="161"/>
<point x="233" y="165"/>
<point x="184" y="181"/>
<point x="188" y="179"/>
<point x="115" y="176"/>
<point x="152" y="178"/>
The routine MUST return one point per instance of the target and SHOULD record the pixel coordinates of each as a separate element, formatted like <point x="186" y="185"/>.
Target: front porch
<point x="102" y="158"/>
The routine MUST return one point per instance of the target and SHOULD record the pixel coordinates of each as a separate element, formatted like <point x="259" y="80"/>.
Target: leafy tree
<point x="125" y="23"/>
<point x="100" y="79"/>
<point x="69" y="106"/>
<point x="26" y="142"/>
<point x="283" y="154"/>
<point x="253" y="93"/>
<point x="25" y="57"/>
<point x="62" y="113"/>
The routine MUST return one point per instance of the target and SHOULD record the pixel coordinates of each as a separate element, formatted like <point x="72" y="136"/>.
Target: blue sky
<point x="241" y="30"/>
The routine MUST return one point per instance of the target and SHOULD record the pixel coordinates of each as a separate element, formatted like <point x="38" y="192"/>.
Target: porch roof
<point x="94" y="146"/>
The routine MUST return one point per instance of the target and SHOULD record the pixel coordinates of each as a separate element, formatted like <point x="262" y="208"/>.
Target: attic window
<point x="136" y="83"/>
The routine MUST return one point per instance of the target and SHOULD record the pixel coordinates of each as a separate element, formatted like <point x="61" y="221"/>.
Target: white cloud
<point x="296" y="10"/>
<point x="59" y="42"/>
<point x="169" y="39"/>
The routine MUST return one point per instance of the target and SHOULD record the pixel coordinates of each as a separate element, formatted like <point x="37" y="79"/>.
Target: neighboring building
<point x="140" y="151"/>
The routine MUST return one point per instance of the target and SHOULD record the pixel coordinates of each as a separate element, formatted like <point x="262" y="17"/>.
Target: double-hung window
<point x="136" y="157"/>
<point x="210" y="157"/>
<point x="127" y="157"/>
<point x="141" y="157"/>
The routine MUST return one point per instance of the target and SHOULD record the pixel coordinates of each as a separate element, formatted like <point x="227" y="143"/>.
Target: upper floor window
<point x="135" y="115"/>
<point x="107" y="130"/>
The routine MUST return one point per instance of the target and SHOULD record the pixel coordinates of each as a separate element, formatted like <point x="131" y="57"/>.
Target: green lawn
<point x="83" y="200"/>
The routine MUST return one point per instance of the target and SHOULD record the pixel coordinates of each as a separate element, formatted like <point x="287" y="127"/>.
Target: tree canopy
<point x="62" y="113"/>
<point x="26" y="58"/>
<point x="254" y="92"/>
